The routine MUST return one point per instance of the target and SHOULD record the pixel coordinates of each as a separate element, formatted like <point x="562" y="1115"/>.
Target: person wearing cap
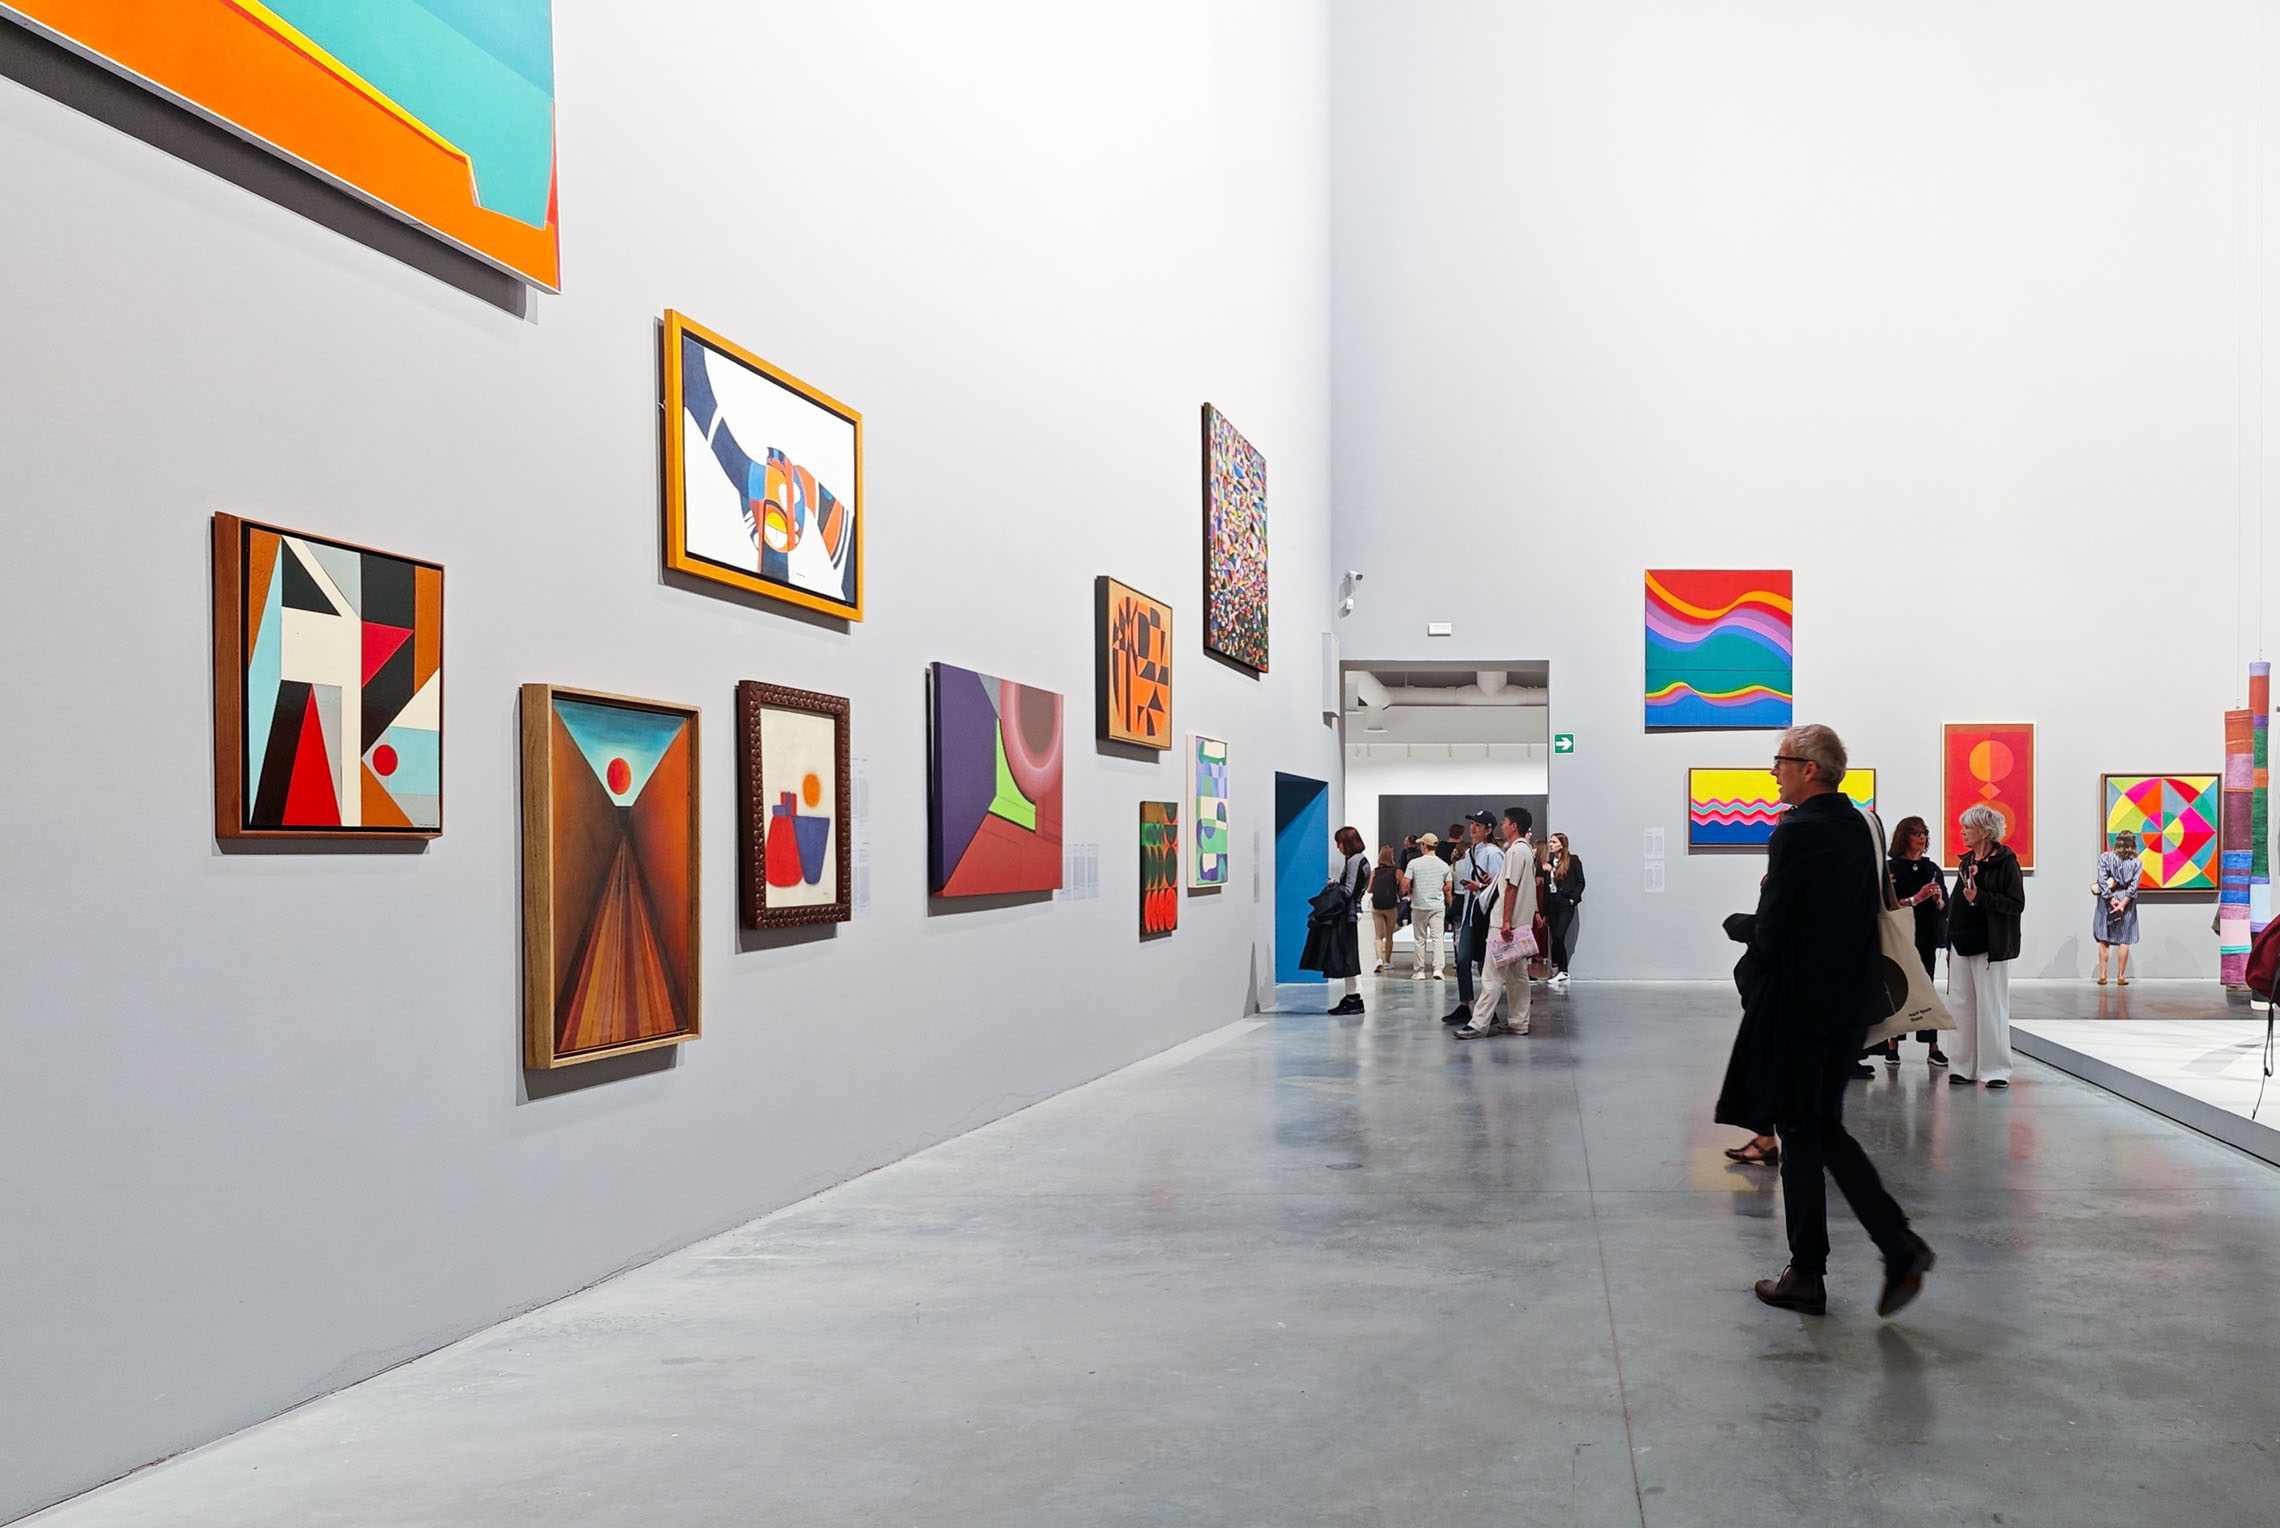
<point x="1511" y="905"/>
<point x="1426" y="882"/>
<point x="1476" y="875"/>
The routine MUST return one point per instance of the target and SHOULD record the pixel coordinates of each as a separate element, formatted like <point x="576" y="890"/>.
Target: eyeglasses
<point x="1780" y="759"/>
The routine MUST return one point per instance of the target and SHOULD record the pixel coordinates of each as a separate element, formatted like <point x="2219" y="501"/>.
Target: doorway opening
<point x="1302" y="859"/>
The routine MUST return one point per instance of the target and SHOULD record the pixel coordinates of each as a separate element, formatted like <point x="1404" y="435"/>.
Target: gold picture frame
<point x="730" y="415"/>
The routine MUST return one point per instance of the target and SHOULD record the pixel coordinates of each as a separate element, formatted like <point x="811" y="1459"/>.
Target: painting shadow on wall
<point x="544" y="1083"/>
<point x="86" y="87"/>
<point x="942" y="907"/>
<point x="751" y="941"/>
<point x="686" y="583"/>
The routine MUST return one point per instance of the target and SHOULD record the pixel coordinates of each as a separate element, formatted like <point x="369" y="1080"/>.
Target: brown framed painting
<point x="792" y="789"/>
<point x="1132" y="641"/>
<point x="610" y="875"/>
<point x="763" y="476"/>
<point x="328" y="688"/>
<point x="1234" y="545"/>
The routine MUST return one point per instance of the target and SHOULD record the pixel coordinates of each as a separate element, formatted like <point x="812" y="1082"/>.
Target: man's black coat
<point x="1809" y="979"/>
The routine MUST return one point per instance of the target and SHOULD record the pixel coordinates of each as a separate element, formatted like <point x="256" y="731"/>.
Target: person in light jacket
<point x="1983" y="940"/>
<point x="2113" y="913"/>
<point x="1511" y="905"/>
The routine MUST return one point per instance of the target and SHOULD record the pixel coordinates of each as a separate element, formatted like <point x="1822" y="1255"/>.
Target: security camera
<point x="1355" y="575"/>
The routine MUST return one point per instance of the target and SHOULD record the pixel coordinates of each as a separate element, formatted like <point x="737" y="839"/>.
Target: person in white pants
<point x="1514" y="908"/>
<point x="1983" y="940"/>
<point x="1427" y="882"/>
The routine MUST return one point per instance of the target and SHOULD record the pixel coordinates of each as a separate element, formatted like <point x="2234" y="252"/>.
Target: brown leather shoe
<point x="1796" y="1291"/>
<point x="1904" y="1279"/>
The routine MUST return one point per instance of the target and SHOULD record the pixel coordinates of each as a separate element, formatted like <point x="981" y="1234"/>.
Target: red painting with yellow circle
<point x="1990" y="764"/>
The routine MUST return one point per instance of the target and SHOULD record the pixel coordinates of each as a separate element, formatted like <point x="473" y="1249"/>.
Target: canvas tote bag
<point x="1910" y="1000"/>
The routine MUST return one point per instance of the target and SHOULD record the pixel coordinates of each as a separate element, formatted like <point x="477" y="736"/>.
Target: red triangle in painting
<point x="380" y="644"/>
<point x="309" y="799"/>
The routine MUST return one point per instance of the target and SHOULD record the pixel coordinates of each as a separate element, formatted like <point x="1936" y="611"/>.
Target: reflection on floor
<point x="2212" y="1074"/>
<point x="1351" y="1271"/>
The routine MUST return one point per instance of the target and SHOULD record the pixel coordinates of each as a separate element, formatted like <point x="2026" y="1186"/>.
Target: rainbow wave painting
<point x="1720" y="648"/>
<point x="1737" y="809"/>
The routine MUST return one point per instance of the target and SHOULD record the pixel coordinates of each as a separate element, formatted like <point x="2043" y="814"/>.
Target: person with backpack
<point x="1385" y="905"/>
<point x="1476" y="874"/>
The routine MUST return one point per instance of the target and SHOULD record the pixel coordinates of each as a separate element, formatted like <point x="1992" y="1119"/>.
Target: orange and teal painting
<point x="1720" y="649"/>
<point x="440" y="111"/>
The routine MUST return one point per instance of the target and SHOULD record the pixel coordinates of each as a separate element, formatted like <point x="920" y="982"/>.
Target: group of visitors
<point x="1486" y="879"/>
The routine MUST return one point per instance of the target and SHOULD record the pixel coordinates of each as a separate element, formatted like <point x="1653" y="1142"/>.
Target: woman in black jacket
<point x="1917" y="882"/>
<point x="1563" y="895"/>
<point x="1333" y="945"/>
<point x="1983" y="940"/>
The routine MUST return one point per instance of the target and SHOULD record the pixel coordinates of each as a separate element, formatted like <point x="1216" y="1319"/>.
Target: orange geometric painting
<point x="1990" y="764"/>
<point x="1134" y="637"/>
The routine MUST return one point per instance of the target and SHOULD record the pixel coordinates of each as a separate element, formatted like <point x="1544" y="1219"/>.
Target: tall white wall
<point x="1952" y="309"/>
<point x="264" y="1119"/>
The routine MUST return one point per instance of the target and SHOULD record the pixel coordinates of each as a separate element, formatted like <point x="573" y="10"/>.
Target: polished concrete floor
<point x="1352" y="1272"/>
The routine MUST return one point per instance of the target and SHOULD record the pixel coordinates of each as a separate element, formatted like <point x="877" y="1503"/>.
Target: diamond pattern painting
<point x="994" y="776"/>
<point x="609" y="875"/>
<point x="2176" y="819"/>
<point x="1234" y="544"/>
<point x="763" y="476"/>
<point x="328" y="688"/>
<point x="1207" y="769"/>
<point x="1134" y="683"/>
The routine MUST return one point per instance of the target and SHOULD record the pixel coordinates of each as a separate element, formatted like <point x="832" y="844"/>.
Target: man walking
<point x="1811" y="982"/>
<point x="1476" y="876"/>
<point x="1428" y="885"/>
<point x="1514" y="906"/>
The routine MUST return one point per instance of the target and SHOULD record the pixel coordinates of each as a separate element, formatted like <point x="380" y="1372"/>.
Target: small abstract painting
<point x="1738" y="808"/>
<point x="440" y="112"/>
<point x="1133" y="636"/>
<point x="994" y="777"/>
<point x="1207" y="766"/>
<point x="1720" y="649"/>
<point x="328" y="688"/>
<point x="1159" y="866"/>
<point x="2177" y="819"/>
<point x="1234" y="544"/>
<point x="763" y="476"/>
<point x="610" y="836"/>
<point x="794" y="802"/>
<point x="1992" y="764"/>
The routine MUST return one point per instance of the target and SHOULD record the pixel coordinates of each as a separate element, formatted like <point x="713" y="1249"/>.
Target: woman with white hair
<point x="1983" y="938"/>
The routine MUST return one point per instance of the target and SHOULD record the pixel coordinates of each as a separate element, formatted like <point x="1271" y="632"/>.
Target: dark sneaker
<point x="1957" y="1079"/>
<point x="1795" y="1291"/>
<point x="1862" y="1071"/>
<point x="1936" y="1058"/>
<point x="1998" y="1082"/>
<point x="1475" y="1032"/>
<point x="1904" y="1279"/>
<point x="1458" y="1015"/>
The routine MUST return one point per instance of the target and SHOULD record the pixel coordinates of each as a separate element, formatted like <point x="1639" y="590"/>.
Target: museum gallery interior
<point x="714" y="653"/>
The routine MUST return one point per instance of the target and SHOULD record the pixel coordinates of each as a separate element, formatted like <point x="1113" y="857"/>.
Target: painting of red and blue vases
<point x="793" y="790"/>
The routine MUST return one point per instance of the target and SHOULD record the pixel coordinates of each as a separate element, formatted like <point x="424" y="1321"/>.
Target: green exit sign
<point x="1563" y="742"/>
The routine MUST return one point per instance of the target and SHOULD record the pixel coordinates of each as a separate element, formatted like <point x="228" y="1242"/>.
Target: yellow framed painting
<point x="763" y="476"/>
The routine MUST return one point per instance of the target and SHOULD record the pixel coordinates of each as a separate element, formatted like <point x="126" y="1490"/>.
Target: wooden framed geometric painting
<point x="1207" y="800"/>
<point x="1989" y="764"/>
<point x="1159" y="867"/>
<point x="439" y="114"/>
<point x="994" y="766"/>
<point x="1133" y="638"/>
<point x="2177" y="819"/>
<point x="328" y="688"/>
<point x="792" y="791"/>
<point x="1234" y="545"/>
<point x="763" y="476"/>
<point x="610" y="875"/>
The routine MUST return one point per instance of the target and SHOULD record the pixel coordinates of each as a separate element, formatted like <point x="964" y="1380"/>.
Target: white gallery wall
<point x="1958" y="311"/>
<point x="265" y="1121"/>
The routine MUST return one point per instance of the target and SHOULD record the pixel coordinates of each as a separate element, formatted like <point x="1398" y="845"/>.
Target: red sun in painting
<point x="383" y="761"/>
<point x="620" y="776"/>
